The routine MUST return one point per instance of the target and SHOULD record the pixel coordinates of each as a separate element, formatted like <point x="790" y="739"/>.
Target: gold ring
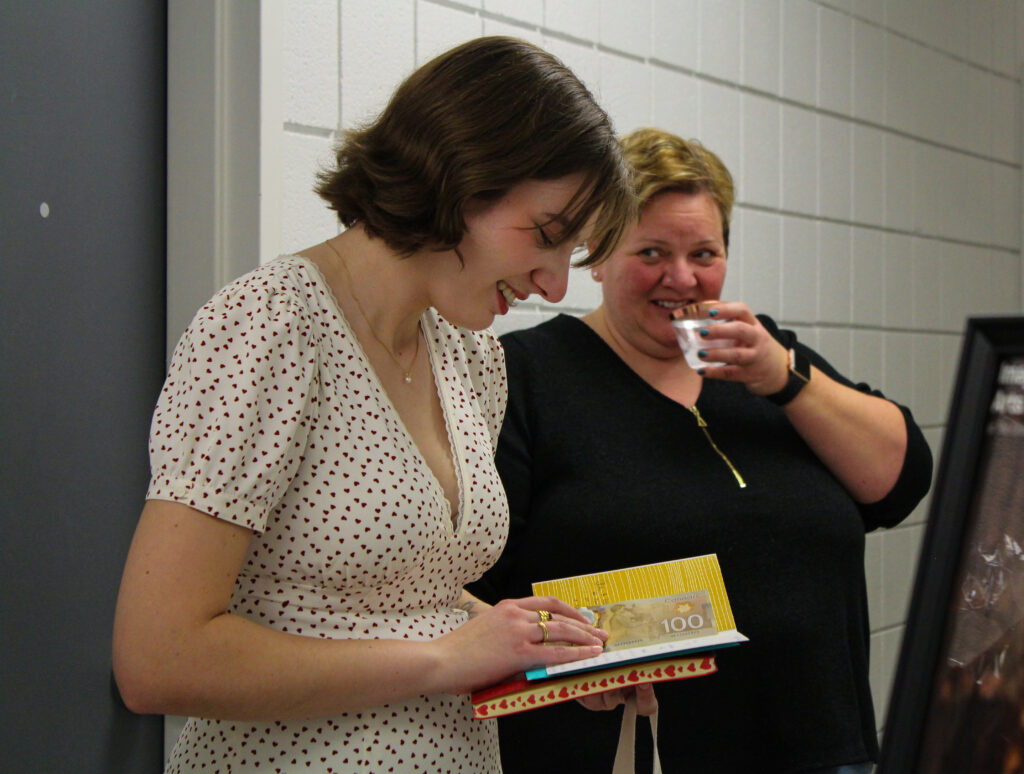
<point x="544" y="628"/>
<point x="545" y="616"/>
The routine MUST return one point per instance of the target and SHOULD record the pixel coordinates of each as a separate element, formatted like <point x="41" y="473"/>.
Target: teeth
<point x="671" y="304"/>
<point x="510" y="297"/>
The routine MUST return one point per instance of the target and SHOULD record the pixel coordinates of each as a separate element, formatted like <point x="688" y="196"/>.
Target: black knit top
<point x="603" y="471"/>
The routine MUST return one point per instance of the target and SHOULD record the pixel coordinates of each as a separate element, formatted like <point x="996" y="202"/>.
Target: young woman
<point x="323" y="484"/>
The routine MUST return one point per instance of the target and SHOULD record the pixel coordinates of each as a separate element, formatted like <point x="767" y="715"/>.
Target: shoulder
<point x="789" y="339"/>
<point x="551" y="338"/>
<point x="273" y="305"/>
<point x="785" y="337"/>
<point x="269" y="290"/>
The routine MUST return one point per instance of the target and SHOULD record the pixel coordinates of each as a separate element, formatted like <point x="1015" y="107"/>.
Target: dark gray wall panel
<point x="83" y="128"/>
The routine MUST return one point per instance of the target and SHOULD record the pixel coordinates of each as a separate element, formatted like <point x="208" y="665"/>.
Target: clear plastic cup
<point x="691" y="342"/>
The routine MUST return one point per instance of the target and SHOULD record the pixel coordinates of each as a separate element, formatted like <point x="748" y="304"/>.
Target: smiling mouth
<point x="672" y="305"/>
<point x="508" y="293"/>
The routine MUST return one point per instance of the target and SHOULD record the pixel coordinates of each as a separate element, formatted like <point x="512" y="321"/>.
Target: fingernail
<point x="597" y="650"/>
<point x="713" y="313"/>
<point x="700" y="371"/>
<point x="703" y="331"/>
<point x="702" y="353"/>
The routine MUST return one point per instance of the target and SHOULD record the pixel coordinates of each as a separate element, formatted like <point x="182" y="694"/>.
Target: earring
<point x="595" y="274"/>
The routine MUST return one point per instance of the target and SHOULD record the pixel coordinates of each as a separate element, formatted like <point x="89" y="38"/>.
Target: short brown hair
<point x="474" y="122"/>
<point x="663" y="161"/>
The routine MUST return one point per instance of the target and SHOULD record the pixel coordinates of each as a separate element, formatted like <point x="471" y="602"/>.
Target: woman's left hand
<point x="755" y="357"/>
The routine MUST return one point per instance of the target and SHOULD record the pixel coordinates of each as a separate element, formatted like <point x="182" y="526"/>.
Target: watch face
<point x="800" y="365"/>
<point x="799" y="375"/>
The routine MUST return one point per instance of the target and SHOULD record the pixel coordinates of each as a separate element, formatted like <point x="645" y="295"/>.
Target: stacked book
<point x="663" y="620"/>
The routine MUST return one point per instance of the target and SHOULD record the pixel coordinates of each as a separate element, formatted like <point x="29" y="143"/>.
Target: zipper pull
<point x="700" y="419"/>
<point x="704" y="427"/>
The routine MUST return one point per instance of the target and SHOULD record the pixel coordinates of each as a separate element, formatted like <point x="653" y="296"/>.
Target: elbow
<point x="134" y="697"/>
<point x="142" y="681"/>
<point x="138" y="688"/>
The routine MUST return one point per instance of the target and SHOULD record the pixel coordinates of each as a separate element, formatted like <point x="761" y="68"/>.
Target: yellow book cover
<point x="664" y="579"/>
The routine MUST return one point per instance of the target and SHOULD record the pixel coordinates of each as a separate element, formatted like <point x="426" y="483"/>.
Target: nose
<point x="678" y="273"/>
<point x="552" y="278"/>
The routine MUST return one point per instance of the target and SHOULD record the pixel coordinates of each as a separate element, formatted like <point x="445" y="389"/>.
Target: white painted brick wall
<point x="676" y="27"/>
<point x="625" y="27"/>
<point x="799" y="270"/>
<point x="761" y="42"/>
<point x="311" y="64"/>
<point x="378" y="49"/>
<point x="800" y="159"/>
<point x="876" y="145"/>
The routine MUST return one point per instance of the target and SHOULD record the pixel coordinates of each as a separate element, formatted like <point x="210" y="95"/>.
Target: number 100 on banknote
<point x="654" y="621"/>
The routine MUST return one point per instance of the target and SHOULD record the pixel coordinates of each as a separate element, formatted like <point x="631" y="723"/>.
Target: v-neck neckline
<point x="609" y="351"/>
<point x="454" y="520"/>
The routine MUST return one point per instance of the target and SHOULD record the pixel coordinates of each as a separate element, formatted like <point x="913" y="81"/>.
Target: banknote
<point x="654" y="621"/>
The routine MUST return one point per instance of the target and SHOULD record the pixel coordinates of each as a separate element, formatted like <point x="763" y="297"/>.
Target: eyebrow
<point x="657" y="237"/>
<point x="555" y="217"/>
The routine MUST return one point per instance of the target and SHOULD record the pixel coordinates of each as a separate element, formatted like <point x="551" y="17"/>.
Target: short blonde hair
<point x="665" y="162"/>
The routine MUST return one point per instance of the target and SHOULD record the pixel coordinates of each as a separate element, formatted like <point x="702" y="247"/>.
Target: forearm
<point x="233" y="668"/>
<point x="178" y="651"/>
<point x="861" y="438"/>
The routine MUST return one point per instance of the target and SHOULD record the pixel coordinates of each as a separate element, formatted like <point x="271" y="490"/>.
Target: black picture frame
<point x="934" y="724"/>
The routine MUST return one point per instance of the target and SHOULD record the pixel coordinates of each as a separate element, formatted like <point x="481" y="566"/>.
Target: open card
<point x="665" y="579"/>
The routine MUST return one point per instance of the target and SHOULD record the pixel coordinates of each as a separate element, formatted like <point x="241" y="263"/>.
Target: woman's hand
<point x="756" y="358"/>
<point x="646" y="701"/>
<point x="509" y="638"/>
<point x="861" y="438"/>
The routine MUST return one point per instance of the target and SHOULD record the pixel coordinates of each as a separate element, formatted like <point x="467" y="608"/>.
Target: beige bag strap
<point x="625" y="755"/>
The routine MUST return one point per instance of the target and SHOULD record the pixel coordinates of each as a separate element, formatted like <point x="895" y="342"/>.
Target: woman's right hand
<point x="508" y="638"/>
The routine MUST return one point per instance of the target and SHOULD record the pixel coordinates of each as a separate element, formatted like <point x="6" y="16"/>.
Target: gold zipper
<point x="704" y="426"/>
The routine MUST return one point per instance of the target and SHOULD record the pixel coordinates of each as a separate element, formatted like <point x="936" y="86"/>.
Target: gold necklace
<point x="407" y="373"/>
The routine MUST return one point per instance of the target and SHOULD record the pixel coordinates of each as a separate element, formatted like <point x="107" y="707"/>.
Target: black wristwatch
<point x="799" y="375"/>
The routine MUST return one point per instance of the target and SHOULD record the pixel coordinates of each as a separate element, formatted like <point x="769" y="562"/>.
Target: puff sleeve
<point x="232" y="420"/>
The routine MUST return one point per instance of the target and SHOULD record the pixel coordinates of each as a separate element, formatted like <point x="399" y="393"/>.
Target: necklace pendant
<point x="408" y="379"/>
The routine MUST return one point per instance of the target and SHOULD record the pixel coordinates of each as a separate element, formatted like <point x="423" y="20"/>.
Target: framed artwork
<point x="958" y="699"/>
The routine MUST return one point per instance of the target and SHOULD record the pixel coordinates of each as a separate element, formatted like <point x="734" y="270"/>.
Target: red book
<point x="519" y="694"/>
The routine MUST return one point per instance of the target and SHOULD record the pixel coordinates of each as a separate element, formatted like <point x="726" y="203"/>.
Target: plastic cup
<point x="691" y="342"/>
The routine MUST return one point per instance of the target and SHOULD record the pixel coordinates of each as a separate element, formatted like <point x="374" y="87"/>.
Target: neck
<point x="384" y="286"/>
<point x="669" y="375"/>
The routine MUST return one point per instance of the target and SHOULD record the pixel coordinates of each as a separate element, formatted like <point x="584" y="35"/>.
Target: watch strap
<point x="799" y="376"/>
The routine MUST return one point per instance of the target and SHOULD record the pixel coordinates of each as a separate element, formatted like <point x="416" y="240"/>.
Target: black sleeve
<point x="514" y="461"/>
<point x="915" y="476"/>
